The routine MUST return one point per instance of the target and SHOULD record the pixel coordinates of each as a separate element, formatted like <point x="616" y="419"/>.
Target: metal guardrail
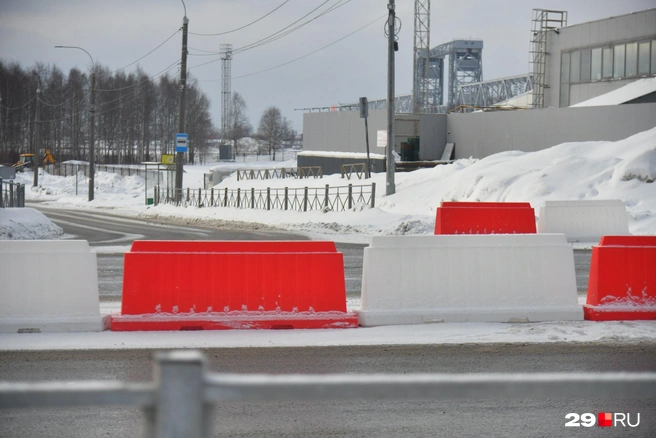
<point x="281" y="173"/>
<point x="11" y="194"/>
<point x="357" y="169"/>
<point x="297" y="199"/>
<point x="179" y="403"/>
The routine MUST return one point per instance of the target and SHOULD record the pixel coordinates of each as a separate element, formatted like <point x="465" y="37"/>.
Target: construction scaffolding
<point x="543" y="21"/>
<point x="421" y="70"/>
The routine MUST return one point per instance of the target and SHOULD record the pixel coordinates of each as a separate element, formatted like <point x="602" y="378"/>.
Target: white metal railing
<point x="179" y="402"/>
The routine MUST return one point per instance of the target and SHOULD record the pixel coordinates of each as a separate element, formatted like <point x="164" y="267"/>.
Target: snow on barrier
<point x="485" y="278"/>
<point x="622" y="283"/>
<point x="216" y="285"/>
<point x="49" y="286"/>
<point x="584" y="220"/>
<point x="485" y="218"/>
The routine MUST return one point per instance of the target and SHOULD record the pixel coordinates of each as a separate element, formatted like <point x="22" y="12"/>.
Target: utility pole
<point x="391" y="46"/>
<point x="92" y="120"/>
<point x="35" y="160"/>
<point x="92" y="126"/>
<point x="181" y="119"/>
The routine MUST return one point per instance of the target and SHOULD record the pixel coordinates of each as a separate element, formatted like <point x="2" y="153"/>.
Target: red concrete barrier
<point x="232" y="246"/>
<point x="622" y="284"/>
<point x="213" y="285"/>
<point x="485" y="218"/>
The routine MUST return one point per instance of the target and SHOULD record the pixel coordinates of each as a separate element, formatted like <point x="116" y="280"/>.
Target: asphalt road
<point x="382" y="418"/>
<point x="111" y="235"/>
<point x="103" y="230"/>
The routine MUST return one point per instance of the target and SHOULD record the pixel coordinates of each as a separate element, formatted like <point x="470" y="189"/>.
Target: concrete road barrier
<point x="485" y="218"/>
<point x="584" y="220"/>
<point x="495" y="278"/>
<point x="49" y="286"/>
<point x="622" y="282"/>
<point x="215" y="285"/>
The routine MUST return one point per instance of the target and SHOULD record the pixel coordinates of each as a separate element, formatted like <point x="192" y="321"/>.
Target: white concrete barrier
<point x="49" y="286"/>
<point x="461" y="278"/>
<point x="584" y="220"/>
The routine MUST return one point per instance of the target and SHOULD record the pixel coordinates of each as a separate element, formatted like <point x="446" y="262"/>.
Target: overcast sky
<point x="119" y="32"/>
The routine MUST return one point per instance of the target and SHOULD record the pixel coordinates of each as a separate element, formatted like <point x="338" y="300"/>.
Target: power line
<point x="242" y="27"/>
<point x="149" y="53"/>
<point x="275" y="35"/>
<point x="142" y="81"/>
<point x="270" y="38"/>
<point x="18" y="107"/>
<point x="312" y="53"/>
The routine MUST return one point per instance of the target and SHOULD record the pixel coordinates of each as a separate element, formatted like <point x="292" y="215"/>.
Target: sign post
<point x="364" y="114"/>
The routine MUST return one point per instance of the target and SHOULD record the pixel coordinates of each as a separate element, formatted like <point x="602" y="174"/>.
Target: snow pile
<point x="627" y="93"/>
<point x="624" y="169"/>
<point x="26" y="224"/>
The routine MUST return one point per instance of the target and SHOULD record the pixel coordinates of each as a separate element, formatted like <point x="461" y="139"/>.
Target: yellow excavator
<point x="26" y="161"/>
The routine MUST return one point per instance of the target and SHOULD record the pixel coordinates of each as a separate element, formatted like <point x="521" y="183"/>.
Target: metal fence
<point x="296" y="199"/>
<point x="281" y="173"/>
<point x="68" y="169"/>
<point x="358" y="170"/>
<point x="179" y="402"/>
<point x="11" y="194"/>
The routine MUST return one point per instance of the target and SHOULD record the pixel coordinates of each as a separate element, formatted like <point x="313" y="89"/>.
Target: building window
<point x="585" y="65"/>
<point x="607" y="71"/>
<point x="575" y="67"/>
<point x="595" y="65"/>
<point x="653" y="57"/>
<point x="643" y="58"/>
<point x="564" y="68"/>
<point x="618" y="55"/>
<point x="631" y="60"/>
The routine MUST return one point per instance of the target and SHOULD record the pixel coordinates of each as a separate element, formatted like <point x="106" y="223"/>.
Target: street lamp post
<point x="92" y="120"/>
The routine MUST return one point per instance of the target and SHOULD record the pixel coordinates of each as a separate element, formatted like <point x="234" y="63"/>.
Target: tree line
<point x="136" y="117"/>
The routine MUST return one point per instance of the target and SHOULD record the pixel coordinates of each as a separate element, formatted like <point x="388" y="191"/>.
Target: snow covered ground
<point x="623" y="170"/>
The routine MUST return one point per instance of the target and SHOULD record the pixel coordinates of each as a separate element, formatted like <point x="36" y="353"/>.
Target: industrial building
<point x="588" y="82"/>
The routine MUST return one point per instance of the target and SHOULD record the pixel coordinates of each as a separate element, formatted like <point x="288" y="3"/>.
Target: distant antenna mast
<point x="543" y="21"/>
<point x="226" y="88"/>
<point x="420" y="86"/>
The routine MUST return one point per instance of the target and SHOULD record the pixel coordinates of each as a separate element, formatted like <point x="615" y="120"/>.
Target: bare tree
<point x="238" y="124"/>
<point x="273" y="130"/>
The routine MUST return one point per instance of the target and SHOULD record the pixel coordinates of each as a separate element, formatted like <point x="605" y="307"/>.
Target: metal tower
<point x="420" y="75"/>
<point x="226" y="87"/>
<point x="543" y="21"/>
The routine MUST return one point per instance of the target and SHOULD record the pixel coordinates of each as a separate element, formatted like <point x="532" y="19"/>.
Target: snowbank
<point x="26" y="224"/>
<point x="624" y="169"/>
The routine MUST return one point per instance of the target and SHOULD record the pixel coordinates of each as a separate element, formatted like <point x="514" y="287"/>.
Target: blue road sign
<point x="181" y="142"/>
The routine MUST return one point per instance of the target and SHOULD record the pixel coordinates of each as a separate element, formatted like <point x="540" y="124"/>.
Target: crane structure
<point x="492" y="92"/>
<point x="465" y="66"/>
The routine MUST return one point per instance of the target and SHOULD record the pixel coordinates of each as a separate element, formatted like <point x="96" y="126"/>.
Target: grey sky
<point x="118" y="32"/>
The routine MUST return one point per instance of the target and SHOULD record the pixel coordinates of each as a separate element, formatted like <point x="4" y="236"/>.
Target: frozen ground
<point x="623" y="170"/>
